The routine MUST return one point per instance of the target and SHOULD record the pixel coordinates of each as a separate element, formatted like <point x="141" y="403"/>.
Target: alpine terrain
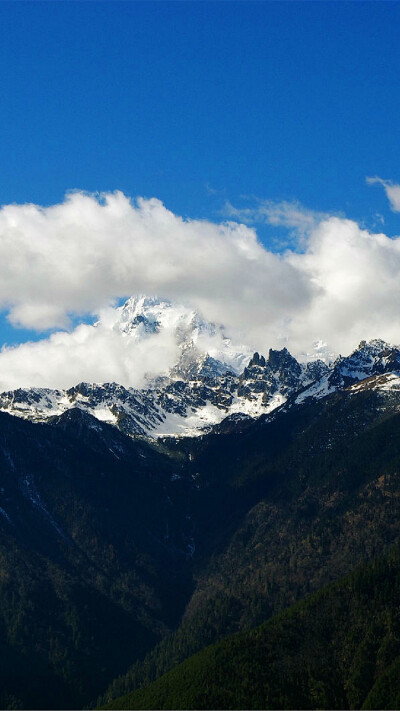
<point x="212" y="378"/>
<point x="225" y="536"/>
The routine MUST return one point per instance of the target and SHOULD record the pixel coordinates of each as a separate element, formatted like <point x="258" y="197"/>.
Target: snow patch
<point x="6" y="516"/>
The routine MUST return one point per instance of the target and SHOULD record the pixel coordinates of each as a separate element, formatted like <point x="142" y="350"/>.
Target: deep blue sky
<point x="201" y="102"/>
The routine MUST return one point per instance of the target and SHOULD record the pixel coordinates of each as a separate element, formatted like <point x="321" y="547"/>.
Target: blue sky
<point x="202" y="104"/>
<point x="194" y="102"/>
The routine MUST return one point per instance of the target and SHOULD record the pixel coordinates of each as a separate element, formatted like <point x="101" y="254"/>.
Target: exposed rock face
<point x="203" y="387"/>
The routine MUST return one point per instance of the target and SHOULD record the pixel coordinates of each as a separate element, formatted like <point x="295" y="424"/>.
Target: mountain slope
<point x="339" y="648"/>
<point x="106" y="540"/>
<point x="283" y="507"/>
<point x="95" y="550"/>
<point x="124" y="552"/>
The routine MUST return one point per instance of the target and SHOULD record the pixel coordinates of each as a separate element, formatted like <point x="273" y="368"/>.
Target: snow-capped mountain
<point x="211" y="379"/>
<point x="202" y="347"/>
<point x="368" y="362"/>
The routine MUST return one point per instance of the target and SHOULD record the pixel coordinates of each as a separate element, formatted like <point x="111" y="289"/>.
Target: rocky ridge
<point x="205" y="387"/>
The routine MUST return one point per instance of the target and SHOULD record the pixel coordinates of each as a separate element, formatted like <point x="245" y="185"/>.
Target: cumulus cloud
<point x="392" y="191"/>
<point x="355" y="278"/>
<point x="89" y="353"/>
<point x="80" y="256"/>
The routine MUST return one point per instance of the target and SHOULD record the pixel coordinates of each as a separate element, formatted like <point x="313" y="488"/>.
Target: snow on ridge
<point x="317" y="390"/>
<point x="145" y="316"/>
<point x="213" y="378"/>
<point x="383" y="381"/>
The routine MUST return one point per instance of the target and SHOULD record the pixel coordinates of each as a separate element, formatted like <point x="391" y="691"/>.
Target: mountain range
<point x="212" y="378"/>
<point x="233" y="515"/>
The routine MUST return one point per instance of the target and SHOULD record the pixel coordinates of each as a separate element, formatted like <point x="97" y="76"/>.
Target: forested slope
<point x="337" y="649"/>
<point x="283" y="508"/>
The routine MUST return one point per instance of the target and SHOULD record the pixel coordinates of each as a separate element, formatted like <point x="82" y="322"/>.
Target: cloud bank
<point x="79" y="257"/>
<point x="82" y="255"/>
<point x="95" y="354"/>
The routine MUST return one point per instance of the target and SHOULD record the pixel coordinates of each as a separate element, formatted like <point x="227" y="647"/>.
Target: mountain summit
<point x="142" y="317"/>
<point x="209" y="380"/>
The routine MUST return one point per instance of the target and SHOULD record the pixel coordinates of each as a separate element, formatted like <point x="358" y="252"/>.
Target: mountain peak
<point x="206" y="384"/>
<point x="141" y="315"/>
<point x="374" y="346"/>
<point x="283" y="361"/>
<point x="257" y="360"/>
<point x="193" y="337"/>
<point x="198" y="375"/>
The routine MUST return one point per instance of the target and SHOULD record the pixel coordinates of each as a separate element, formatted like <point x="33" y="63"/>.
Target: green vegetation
<point x="283" y="509"/>
<point x="88" y="580"/>
<point x="339" y="648"/>
<point x="98" y="588"/>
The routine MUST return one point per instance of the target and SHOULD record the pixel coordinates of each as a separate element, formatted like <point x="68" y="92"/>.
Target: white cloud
<point x="392" y="191"/>
<point x="356" y="280"/>
<point x="289" y="214"/>
<point x="90" y="353"/>
<point x="80" y="256"/>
